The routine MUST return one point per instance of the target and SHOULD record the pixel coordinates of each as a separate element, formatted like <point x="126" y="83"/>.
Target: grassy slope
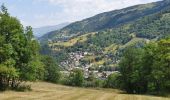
<point x="73" y="41"/>
<point x="83" y="38"/>
<point x="108" y="20"/>
<point x="48" y="91"/>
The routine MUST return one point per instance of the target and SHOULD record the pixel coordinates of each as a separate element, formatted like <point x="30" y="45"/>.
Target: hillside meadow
<point x="49" y="91"/>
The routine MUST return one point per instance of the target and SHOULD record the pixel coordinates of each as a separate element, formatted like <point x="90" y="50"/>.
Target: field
<point x="73" y="41"/>
<point x="48" y="91"/>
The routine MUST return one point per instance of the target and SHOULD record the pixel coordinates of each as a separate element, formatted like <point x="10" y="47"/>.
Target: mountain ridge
<point x="40" y="31"/>
<point x="108" y="20"/>
<point x="105" y="47"/>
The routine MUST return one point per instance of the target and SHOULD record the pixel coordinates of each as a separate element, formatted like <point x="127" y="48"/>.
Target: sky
<point x="38" y="13"/>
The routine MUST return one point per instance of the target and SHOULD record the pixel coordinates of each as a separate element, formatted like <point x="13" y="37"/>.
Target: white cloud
<point x="73" y="10"/>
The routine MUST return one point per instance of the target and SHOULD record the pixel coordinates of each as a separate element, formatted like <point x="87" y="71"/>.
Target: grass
<point x="133" y="41"/>
<point x="143" y="7"/>
<point x="110" y="48"/>
<point x="113" y="47"/>
<point x="100" y="62"/>
<point x="49" y="91"/>
<point x="73" y="41"/>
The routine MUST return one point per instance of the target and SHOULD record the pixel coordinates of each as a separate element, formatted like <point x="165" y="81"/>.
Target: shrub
<point x="76" y="78"/>
<point x="23" y="88"/>
<point x="8" y="77"/>
<point x="112" y="81"/>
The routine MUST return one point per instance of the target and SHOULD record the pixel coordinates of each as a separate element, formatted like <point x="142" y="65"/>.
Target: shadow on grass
<point x="155" y="94"/>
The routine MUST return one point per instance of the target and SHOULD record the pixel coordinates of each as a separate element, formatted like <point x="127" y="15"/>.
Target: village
<point x="74" y="62"/>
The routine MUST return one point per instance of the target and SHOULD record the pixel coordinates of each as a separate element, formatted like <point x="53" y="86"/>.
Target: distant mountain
<point x="104" y="37"/>
<point x="108" y="20"/>
<point x="38" y="32"/>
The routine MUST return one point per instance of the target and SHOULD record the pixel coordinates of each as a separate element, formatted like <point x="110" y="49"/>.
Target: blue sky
<point x="37" y="13"/>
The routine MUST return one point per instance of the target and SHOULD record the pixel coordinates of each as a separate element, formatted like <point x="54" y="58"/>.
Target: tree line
<point x="142" y="70"/>
<point x="20" y="60"/>
<point x="146" y="69"/>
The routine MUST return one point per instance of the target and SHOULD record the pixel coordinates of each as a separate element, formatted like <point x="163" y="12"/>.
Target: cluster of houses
<point x="100" y="75"/>
<point x="73" y="62"/>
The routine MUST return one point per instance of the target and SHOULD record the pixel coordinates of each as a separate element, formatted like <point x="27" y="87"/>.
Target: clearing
<point x="49" y="91"/>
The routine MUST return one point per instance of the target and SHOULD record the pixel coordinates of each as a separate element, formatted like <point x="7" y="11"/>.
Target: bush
<point x="64" y="80"/>
<point x="91" y="81"/>
<point x="75" y="78"/>
<point x="23" y="88"/>
<point x="8" y="77"/>
<point x="112" y="81"/>
<point x="52" y="73"/>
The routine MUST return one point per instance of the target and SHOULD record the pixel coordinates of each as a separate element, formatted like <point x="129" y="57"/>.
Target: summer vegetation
<point x="144" y="68"/>
<point x="141" y="70"/>
<point x="20" y="60"/>
<point x="106" y="35"/>
<point x="134" y="41"/>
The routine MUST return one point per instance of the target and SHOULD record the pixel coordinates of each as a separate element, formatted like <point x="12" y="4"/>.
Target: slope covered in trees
<point x="143" y="67"/>
<point x="107" y="20"/>
<point x="111" y="42"/>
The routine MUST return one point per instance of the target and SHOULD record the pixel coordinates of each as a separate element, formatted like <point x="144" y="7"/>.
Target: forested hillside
<point x="105" y="47"/>
<point x="107" y="20"/>
<point x="127" y="50"/>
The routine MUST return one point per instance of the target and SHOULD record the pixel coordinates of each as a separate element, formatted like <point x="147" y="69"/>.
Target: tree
<point x="19" y="52"/>
<point x="34" y="67"/>
<point x="112" y="81"/>
<point x="160" y="74"/>
<point x="148" y="69"/>
<point x="4" y="10"/>
<point x="45" y="50"/>
<point x="6" y="75"/>
<point x="76" y="78"/>
<point x="130" y="70"/>
<point x="148" y="58"/>
<point x="52" y="73"/>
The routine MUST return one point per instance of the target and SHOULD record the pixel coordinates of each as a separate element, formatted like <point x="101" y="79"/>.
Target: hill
<point x="38" y="32"/>
<point x="48" y="91"/>
<point x="104" y="47"/>
<point x="107" y="20"/>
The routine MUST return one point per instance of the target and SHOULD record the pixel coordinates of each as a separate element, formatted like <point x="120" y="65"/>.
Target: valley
<point x="104" y="46"/>
<point x="121" y="54"/>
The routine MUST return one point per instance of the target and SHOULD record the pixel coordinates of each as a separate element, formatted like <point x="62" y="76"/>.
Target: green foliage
<point x="19" y="52"/>
<point x="153" y="25"/>
<point x="161" y="67"/>
<point x="76" y="78"/>
<point x="92" y="81"/>
<point x="146" y="70"/>
<point x="52" y="73"/>
<point x="6" y="75"/>
<point x="108" y="20"/>
<point x="45" y="49"/>
<point x="129" y="70"/>
<point x="112" y="81"/>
